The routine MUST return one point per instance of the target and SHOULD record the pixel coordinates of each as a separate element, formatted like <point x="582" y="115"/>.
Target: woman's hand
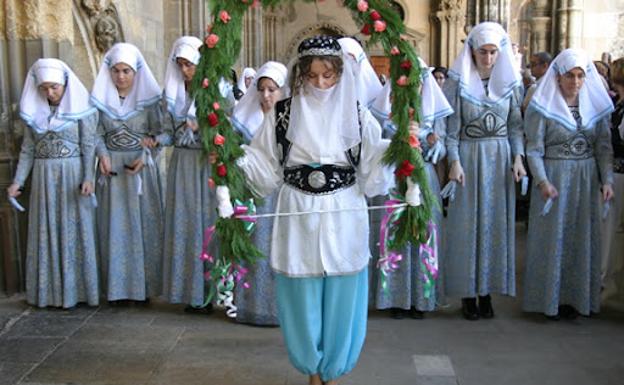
<point x="457" y="172"/>
<point x="14" y="190"/>
<point x="105" y="165"/>
<point x="432" y="139"/>
<point x="135" y="166"/>
<point x="607" y="192"/>
<point x="192" y="125"/>
<point x="518" y="168"/>
<point x="548" y="190"/>
<point x="86" y="188"/>
<point x="149" y="142"/>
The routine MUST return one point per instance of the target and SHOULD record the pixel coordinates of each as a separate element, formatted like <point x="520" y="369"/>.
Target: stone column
<point x="562" y="26"/>
<point x="575" y="23"/>
<point x="253" y="44"/>
<point x="541" y="25"/>
<point x="487" y="10"/>
<point x="447" y="32"/>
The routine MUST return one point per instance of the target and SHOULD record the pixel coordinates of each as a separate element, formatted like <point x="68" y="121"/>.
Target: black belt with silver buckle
<point x="319" y="180"/>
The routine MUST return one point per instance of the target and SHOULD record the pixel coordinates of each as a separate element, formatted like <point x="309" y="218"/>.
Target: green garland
<point x="218" y="55"/>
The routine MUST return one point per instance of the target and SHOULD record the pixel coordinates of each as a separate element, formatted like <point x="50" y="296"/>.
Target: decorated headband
<point x="319" y="46"/>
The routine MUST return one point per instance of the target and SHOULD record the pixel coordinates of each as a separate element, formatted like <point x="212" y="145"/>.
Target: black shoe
<point x="415" y="313"/>
<point x="199" y="309"/>
<point x="485" y="307"/>
<point x="568" y="312"/>
<point x="396" y="313"/>
<point x="470" y="309"/>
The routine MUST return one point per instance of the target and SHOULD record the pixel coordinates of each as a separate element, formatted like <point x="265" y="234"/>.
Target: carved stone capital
<point x="103" y="20"/>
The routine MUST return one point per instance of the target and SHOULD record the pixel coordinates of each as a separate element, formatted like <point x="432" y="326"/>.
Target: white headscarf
<point x="433" y="103"/>
<point x="367" y="82"/>
<point x="145" y="90"/>
<point x="326" y="122"/>
<point x="34" y="106"/>
<point x="248" y="115"/>
<point x="186" y="47"/>
<point x="248" y="72"/>
<point x="594" y="102"/>
<point x="504" y="77"/>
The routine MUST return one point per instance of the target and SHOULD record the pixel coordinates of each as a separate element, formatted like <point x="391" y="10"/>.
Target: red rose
<point x="366" y="29"/>
<point x="374" y="15"/>
<point x="213" y="119"/>
<point x="221" y="170"/>
<point x="405" y="170"/>
<point x="406" y="65"/>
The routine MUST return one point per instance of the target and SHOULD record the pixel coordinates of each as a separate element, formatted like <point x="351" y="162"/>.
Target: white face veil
<point x="325" y="122"/>
<point x="504" y="77"/>
<point x="594" y="102"/>
<point x="186" y="47"/>
<point x="247" y="116"/>
<point x="248" y="72"/>
<point x="367" y="82"/>
<point x="145" y="89"/>
<point x="34" y="107"/>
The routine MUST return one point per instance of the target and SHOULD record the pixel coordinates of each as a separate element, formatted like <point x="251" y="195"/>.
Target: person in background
<point x="570" y="155"/>
<point x="189" y="207"/>
<point x="613" y="225"/>
<point x="58" y="146"/>
<point x="440" y="74"/>
<point x="485" y="148"/>
<point x="130" y="212"/>
<point x="256" y="304"/>
<point x="538" y="65"/>
<point x="246" y="79"/>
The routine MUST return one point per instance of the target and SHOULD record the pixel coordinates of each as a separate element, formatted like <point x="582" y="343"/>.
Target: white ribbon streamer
<point x="547" y="207"/>
<point x="524" y="183"/>
<point x="449" y="190"/>
<point x="16" y="204"/>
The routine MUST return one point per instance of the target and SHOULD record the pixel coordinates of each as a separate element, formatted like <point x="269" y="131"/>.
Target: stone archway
<point x="320" y="28"/>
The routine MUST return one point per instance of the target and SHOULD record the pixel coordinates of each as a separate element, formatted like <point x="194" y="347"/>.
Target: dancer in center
<point x="324" y="150"/>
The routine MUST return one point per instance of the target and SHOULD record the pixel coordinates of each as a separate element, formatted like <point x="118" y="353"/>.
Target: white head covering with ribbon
<point x="433" y="103"/>
<point x="504" y="77"/>
<point x="367" y="82"/>
<point x="325" y="122"/>
<point x="145" y="89"/>
<point x="186" y="47"/>
<point x="248" y="116"/>
<point x="248" y="72"/>
<point x="34" y="106"/>
<point x="594" y="101"/>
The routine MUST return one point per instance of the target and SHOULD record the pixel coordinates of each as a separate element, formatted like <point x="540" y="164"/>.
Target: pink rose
<point x="379" y="25"/>
<point x="362" y="5"/>
<point x="402" y="81"/>
<point x="216" y="106"/>
<point x="219" y="140"/>
<point x="212" y="40"/>
<point x="205" y="83"/>
<point x="224" y="16"/>
<point x="394" y="51"/>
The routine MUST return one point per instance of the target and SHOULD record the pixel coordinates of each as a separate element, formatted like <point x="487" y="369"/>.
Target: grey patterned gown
<point x="479" y="248"/>
<point x="405" y="286"/>
<point x="130" y="225"/>
<point x="563" y="257"/>
<point x="257" y="305"/>
<point x="61" y="264"/>
<point x="189" y="210"/>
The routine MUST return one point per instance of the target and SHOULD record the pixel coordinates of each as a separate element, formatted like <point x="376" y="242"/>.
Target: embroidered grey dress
<point x="479" y="230"/>
<point x="406" y="284"/>
<point x="130" y="225"/>
<point x="189" y="210"/>
<point x="61" y="264"/>
<point x="563" y="247"/>
<point x="257" y="305"/>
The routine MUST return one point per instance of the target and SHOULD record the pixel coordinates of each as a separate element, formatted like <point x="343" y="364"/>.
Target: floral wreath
<point x="222" y="45"/>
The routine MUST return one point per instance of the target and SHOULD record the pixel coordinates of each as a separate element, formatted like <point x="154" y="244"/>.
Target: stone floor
<point x="161" y="345"/>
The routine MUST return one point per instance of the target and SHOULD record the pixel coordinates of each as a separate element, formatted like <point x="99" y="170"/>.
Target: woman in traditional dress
<point x="189" y="207"/>
<point x="406" y="291"/>
<point x="613" y="225"/>
<point x="246" y="79"/>
<point x="325" y="152"/>
<point x="570" y="155"/>
<point x="256" y="304"/>
<point x="485" y="149"/>
<point x="59" y="147"/>
<point x="130" y="213"/>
